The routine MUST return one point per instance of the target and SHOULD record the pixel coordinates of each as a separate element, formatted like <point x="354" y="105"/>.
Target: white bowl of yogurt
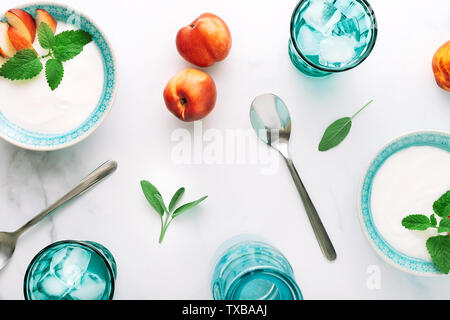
<point x="35" y="118"/>
<point x="406" y="177"/>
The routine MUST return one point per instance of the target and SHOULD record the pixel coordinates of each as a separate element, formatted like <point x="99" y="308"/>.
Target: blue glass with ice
<point x="71" y="270"/>
<point x="253" y="270"/>
<point x="329" y="36"/>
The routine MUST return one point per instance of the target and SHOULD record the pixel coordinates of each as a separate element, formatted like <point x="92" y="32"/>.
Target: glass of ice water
<point x="253" y="270"/>
<point x="329" y="36"/>
<point x="71" y="270"/>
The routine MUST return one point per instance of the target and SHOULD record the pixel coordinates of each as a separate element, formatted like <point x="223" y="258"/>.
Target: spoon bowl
<point x="270" y="119"/>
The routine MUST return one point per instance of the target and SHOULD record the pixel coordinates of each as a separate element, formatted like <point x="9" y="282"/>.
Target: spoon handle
<point x="91" y="180"/>
<point x="319" y="230"/>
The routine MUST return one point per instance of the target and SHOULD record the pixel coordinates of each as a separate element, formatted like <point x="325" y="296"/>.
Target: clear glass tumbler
<point x="254" y="270"/>
<point x="71" y="270"/>
<point x="329" y="36"/>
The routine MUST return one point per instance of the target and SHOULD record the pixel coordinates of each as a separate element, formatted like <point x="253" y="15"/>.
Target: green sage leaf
<point x="150" y="193"/>
<point x="176" y="198"/>
<point x="188" y="206"/>
<point x="335" y="134"/>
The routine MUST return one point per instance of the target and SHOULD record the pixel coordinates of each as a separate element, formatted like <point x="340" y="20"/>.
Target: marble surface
<point x="140" y="133"/>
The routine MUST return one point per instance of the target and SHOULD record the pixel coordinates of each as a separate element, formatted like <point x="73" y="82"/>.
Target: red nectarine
<point x="441" y="66"/>
<point x="190" y="95"/>
<point x="205" y="41"/>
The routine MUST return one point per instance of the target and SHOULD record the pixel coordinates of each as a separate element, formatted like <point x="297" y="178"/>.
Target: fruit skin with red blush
<point x="205" y="41"/>
<point x="441" y="66"/>
<point x="190" y="95"/>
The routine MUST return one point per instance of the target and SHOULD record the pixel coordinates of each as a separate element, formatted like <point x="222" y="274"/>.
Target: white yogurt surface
<point x="409" y="183"/>
<point x="33" y="106"/>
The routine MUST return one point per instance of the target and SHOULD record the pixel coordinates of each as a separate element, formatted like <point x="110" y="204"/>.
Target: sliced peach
<point x="18" y="41"/>
<point x="23" y="22"/>
<point x="7" y="50"/>
<point x="44" y="16"/>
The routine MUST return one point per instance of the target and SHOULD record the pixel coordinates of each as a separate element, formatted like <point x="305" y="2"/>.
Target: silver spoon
<point x="271" y="120"/>
<point x="8" y="240"/>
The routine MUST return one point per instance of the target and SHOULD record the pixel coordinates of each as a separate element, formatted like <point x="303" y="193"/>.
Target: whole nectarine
<point x="205" y="41"/>
<point x="441" y="66"/>
<point x="190" y="95"/>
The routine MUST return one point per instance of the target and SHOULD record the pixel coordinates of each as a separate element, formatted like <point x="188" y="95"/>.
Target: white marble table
<point x="139" y="135"/>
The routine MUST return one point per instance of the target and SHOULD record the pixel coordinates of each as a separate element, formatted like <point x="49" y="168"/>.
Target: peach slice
<point x="44" y="16"/>
<point x="23" y="22"/>
<point x="7" y="50"/>
<point x="18" y="41"/>
<point x="441" y="66"/>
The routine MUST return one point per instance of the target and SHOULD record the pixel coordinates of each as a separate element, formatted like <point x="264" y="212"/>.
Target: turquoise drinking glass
<point x="329" y="36"/>
<point x="254" y="270"/>
<point x="71" y="270"/>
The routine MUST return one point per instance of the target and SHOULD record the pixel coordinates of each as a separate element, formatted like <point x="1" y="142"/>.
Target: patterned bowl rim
<point x="109" y="105"/>
<point x="430" y="270"/>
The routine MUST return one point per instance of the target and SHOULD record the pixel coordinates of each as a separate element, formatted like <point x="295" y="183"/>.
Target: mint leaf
<point x="150" y="193"/>
<point x="338" y="131"/>
<point x="442" y="206"/>
<point x="439" y="249"/>
<point x="417" y="222"/>
<point x="444" y="226"/>
<point x="45" y="36"/>
<point x="188" y="206"/>
<point x="177" y="196"/>
<point x="54" y="72"/>
<point x="23" y="66"/>
<point x="69" y="44"/>
<point x="433" y="221"/>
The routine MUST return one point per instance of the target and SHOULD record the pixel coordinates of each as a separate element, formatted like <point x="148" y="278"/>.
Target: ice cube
<point x="57" y="257"/>
<point x="73" y="265"/>
<point x="52" y="287"/>
<point x="337" y="50"/>
<point x="348" y="27"/>
<point x="309" y="40"/>
<point x="344" y="6"/>
<point x="322" y="16"/>
<point x="91" y="287"/>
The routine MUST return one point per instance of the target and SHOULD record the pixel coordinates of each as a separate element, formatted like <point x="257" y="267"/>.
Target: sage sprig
<point x="167" y="214"/>
<point x="338" y="131"/>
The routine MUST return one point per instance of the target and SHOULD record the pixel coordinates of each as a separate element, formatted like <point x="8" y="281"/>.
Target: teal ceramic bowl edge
<point x="35" y="141"/>
<point x="389" y="254"/>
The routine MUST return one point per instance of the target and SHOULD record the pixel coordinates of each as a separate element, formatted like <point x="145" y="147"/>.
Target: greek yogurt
<point x="33" y="106"/>
<point x="409" y="182"/>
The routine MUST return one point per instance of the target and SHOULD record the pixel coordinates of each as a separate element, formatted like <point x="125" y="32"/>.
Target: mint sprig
<point x="438" y="246"/>
<point x="26" y="64"/>
<point x="167" y="214"/>
<point x="336" y="133"/>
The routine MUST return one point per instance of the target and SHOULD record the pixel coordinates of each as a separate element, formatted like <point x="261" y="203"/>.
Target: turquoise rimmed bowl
<point x="389" y="254"/>
<point x="48" y="142"/>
